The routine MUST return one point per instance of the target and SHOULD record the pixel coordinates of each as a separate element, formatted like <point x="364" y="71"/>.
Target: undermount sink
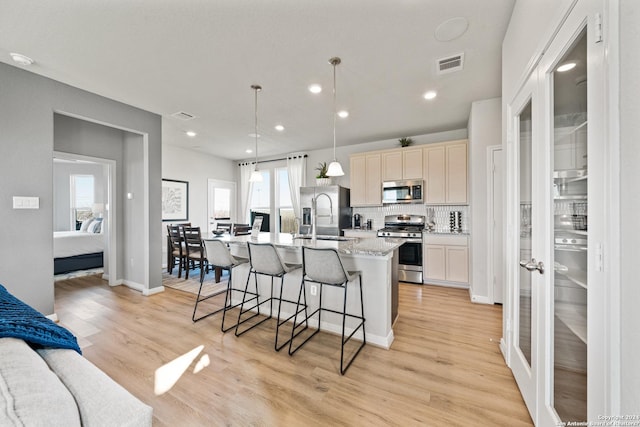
<point x="324" y="237"/>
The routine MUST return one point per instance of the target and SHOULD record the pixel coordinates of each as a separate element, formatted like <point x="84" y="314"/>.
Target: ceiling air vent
<point x="183" y="116"/>
<point x="450" y="63"/>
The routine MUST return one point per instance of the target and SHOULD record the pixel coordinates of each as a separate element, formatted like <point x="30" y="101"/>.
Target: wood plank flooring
<point x="444" y="367"/>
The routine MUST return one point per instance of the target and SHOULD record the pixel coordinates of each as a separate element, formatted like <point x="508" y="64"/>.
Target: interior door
<point x="572" y="384"/>
<point x="221" y="203"/>
<point x="524" y="240"/>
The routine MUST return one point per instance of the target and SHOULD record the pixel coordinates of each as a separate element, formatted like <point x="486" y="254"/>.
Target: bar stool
<point x="265" y="260"/>
<point x="218" y="255"/>
<point x="324" y="266"/>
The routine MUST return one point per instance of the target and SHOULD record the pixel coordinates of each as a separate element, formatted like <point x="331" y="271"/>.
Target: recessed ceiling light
<point x="343" y="114"/>
<point x="21" y="59"/>
<point x="279" y="128"/>
<point x="191" y="133"/>
<point x="253" y="135"/>
<point x="315" y="88"/>
<point x="248" y="151"/>
<point x="566" y="67"/>
<point x="430" y="94"/>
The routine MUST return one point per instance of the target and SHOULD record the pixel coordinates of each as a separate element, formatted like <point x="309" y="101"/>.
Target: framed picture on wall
<point x="175" y="200"/>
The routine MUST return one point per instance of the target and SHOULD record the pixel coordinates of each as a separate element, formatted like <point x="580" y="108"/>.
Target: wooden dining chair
<point x="176" y="250"/>
<point x="241" y="229"/>
<point x="194" y="248"/>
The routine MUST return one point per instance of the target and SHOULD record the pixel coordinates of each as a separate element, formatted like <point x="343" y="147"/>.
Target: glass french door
<point x="557" y="338"/>
<point x="525" y="213"/>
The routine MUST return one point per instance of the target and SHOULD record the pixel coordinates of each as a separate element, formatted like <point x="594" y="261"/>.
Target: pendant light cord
<point x="334" y="63"/>
<point x="256" y="89"/>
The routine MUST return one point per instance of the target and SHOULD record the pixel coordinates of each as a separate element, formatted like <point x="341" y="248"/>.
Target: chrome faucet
<point x="314" y="213"/>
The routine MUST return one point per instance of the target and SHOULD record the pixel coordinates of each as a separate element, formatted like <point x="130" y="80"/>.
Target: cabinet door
<point x="434" y="163"/>
<point x="435" y="266"/>
<point x="358" y="176"/>
<point x="373" y="193"/>
<point x="412" y="163"/>
<point x="457" y="263"/>
<point x="456" y="170"/>
<point x="392" y="165"/>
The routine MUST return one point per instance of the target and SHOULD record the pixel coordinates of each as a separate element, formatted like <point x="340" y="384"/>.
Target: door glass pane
<point x="524" y="333"/>
<point x="221" y="203"/>
<point x="570" y="177"/>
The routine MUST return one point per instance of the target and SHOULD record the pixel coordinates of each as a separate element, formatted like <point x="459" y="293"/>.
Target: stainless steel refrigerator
<point x="333" y="213"/>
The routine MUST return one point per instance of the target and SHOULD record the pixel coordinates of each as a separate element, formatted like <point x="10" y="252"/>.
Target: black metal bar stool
<point x="265" y="260"/>
<point x="218" y="255"/>
<point x="324" y="266"/>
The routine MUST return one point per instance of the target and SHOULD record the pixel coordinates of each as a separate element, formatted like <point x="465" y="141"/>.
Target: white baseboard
<point x="105" y="277"/>
<point x="117" y="283"/>
<point x="54" y="317"/>
<point x="447" y="284"/>
<point x="478" y="299"/>
<point x="503" y="350"/>
<point x="153" y="291"/>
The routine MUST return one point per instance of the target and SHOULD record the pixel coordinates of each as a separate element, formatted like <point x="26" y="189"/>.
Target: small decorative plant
<point x="405" y="142"/>
<point x="322" y="170"/>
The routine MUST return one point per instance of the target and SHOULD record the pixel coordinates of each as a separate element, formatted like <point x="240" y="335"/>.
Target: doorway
<point x="221" y="203"/>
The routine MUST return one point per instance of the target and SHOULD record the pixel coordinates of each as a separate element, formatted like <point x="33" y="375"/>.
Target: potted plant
<point x="405" y="142"/>
<point x="321" y="177"/>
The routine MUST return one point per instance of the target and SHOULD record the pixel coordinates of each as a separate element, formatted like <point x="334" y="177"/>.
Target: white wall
<point x="629" y="206"/>
<point x="62" y="172"/>
<point x="27" y="106"/>
<point x="485" y="129"/>
<point x="196" y="168"/>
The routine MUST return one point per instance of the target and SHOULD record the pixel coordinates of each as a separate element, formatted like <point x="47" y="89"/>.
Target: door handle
<point x="533" y="265"/>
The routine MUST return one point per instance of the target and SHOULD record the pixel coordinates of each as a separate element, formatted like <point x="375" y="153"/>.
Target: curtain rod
<point x="304" y="156"/>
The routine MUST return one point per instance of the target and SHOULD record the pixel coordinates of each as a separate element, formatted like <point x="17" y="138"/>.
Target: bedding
<point x="73" y="243"/>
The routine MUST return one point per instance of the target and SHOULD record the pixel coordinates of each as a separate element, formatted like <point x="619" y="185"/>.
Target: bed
<point x="77" y="250"/>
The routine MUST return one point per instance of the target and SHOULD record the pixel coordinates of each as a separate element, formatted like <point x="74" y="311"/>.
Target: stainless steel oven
<point x="409" y="228"/>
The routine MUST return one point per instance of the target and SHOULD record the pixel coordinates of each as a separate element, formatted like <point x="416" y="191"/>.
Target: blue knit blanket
<point x="18" y="320"/>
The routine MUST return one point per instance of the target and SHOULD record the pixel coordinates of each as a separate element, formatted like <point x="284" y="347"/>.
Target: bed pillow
<point x="95" y="226"/>
<point x="85" y="224"/>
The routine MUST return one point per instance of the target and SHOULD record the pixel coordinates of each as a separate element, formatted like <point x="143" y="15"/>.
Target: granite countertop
<point x="445" y="233"/>
<point x="376" y="246"/>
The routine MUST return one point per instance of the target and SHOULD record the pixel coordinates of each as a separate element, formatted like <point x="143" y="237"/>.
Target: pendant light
<point x="255" y="175"/>
<point x="335" y="169"/>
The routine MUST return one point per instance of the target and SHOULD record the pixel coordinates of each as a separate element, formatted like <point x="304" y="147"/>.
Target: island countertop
<point x="375" y="257"/>
<point x="373" y="246"/>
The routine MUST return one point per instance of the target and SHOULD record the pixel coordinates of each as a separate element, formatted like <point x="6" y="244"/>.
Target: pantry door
<point x="524" y="240"/>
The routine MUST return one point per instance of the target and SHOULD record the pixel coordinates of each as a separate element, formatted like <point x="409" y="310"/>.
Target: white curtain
<point x="297" y="171"/>
<point x="245" y="191"/>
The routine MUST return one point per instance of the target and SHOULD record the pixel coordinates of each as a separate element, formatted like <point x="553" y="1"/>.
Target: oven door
<point x="410" y="261"/>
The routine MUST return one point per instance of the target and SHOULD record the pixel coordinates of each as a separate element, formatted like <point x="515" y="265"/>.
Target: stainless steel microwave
<point x="408" y="191"/>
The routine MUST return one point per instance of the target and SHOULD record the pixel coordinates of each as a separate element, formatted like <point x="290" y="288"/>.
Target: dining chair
<point x="194" y="249"/>
<point x="176" y="253"/>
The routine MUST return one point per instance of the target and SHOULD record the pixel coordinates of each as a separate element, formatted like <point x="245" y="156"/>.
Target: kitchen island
<point x="376" y="258"/>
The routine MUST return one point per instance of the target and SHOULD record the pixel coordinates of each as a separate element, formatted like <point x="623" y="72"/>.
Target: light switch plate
<point x="23" y="202"/>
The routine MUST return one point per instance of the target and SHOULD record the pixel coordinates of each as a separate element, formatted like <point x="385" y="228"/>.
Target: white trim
<point x="134" y="285"/>
<point x="152" y="291"/>
<point x="490" y="222"/>
<point x="479" y="299"/>
<point x="145" y="219"/>
<point x="612" y="327"/>
<point x="53" y="317"/>
<point x="446" y="284"/>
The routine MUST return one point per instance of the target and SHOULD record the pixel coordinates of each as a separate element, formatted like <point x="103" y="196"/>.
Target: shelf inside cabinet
<point x="578" y="277"/>
<point x="574" y="317"/>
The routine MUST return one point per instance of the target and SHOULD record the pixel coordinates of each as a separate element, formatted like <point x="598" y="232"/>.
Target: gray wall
<point x="27" y="106"/>
<point x="133" y="225"/>
<point x="630" y="206"/>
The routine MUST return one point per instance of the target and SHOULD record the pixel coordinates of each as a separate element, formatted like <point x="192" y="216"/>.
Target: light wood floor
<point x="444" y="367"/>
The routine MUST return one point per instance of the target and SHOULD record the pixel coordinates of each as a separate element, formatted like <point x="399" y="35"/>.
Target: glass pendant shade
<point x="335" y="169"/>
<point x="255" y="176"/>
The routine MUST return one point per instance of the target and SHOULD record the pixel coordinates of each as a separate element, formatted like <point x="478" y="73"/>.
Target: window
<point x="286" y="216"/>
<point x="82" y="199"/>
<point x="260" y="203"/>
<point x="272" y="198"/>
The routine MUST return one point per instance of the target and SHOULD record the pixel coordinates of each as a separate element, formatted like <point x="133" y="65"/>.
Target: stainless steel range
<point x="409" y="228"/>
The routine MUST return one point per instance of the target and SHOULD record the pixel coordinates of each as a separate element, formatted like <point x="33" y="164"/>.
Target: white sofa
<point x="59" y="387"/>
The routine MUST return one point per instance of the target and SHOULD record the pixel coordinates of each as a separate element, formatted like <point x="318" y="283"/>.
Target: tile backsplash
<point x="441" y="214"/>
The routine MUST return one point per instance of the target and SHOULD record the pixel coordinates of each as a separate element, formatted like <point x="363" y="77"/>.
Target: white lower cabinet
<point x="446" y="259"/>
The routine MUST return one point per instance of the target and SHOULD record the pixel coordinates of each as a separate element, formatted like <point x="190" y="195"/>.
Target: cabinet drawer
<point x="445" y="239"/>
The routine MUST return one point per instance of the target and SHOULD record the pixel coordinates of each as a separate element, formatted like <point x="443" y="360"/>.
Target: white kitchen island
<point x="376" y="258"/>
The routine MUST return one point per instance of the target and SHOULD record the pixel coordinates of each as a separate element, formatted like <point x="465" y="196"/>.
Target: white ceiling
<point x="202" y="56"/>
